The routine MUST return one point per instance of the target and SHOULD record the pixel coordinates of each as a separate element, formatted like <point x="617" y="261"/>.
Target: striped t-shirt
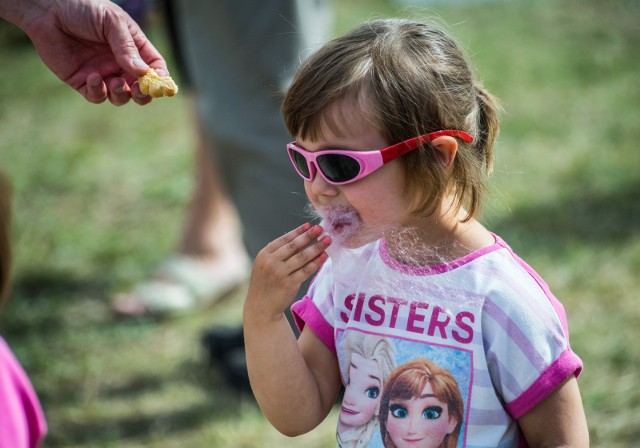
<point x="486" y="325"/>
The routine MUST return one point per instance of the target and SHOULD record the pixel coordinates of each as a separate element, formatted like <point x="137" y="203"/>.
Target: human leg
<point x="210" y="260"/>
<point x="240" y="57"/>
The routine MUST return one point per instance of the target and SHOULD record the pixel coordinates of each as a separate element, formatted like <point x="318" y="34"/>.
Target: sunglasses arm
<point x="399" y="149"/>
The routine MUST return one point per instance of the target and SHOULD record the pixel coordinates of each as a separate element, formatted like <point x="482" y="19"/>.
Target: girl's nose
<point x="348" y="398"/>
<point x="321" y="187"/>
<point x="412" y="424"/>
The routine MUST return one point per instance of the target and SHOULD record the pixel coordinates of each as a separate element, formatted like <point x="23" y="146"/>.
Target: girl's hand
<point x="282" y="266"/>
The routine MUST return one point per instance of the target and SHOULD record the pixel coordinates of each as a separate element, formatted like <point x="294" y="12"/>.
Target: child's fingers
<point x="287" y="238"/>
<point x="309" y="260"/>
<point x="305" y="262"/>
<point x="300" y="252"/>
<point x="295" y="241"/>
<point x="299" y="246"/>
<point x="280" y="268"/>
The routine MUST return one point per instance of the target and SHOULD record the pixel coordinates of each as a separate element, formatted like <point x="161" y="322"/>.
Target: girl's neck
<point x="438" y="239"/>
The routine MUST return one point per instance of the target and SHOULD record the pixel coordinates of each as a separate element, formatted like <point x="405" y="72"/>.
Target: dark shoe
<point x="219" y="341"/>
<point x="225" y="350"/>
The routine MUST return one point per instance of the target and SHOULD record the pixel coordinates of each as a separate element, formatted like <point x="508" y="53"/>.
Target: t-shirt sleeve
<point x="316" y="309"/>
<point x="526" y="341"/>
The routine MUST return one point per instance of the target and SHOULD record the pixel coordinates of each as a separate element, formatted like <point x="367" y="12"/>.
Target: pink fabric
<point x="22" y="422"/>
<point x="305" y="312"/>
<point x="567" y="364"/>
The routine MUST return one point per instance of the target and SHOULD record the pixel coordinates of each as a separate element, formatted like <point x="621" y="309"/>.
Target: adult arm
<point x="92" y="45"/>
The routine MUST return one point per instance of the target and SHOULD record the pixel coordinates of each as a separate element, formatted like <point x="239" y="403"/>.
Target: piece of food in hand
<point x="157" y="86"/>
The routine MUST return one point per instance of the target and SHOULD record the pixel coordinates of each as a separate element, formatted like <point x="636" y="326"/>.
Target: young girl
<point x="22" y="423"/>
<point x="394" y="138"/>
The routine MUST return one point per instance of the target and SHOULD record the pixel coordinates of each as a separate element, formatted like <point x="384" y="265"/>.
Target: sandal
<point x="181" y="284"/>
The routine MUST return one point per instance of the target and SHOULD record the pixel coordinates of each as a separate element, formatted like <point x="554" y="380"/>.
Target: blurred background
<point x="100" y="194"/>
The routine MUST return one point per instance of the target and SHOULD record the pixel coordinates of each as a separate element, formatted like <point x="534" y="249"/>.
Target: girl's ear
<point x="447" y="146"/>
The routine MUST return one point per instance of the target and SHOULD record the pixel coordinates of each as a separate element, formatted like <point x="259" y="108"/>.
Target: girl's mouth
<point x="348" y="411"/>
<point x="339" y="222"/>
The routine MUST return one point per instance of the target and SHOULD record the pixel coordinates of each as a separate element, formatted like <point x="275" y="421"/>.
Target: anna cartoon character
<point x="421" y="407"/>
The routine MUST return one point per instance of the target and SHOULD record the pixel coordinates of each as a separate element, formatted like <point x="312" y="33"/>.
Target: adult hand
<point x="92" y="45"/>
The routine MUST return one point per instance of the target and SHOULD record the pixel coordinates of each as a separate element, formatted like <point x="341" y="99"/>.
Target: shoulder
<point x="516" y="288"/>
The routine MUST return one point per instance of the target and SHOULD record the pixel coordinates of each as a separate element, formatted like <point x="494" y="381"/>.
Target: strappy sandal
<point x="181" y="284"/>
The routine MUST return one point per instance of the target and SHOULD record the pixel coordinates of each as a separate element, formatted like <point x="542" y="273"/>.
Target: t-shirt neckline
<point x="396" y="265"/>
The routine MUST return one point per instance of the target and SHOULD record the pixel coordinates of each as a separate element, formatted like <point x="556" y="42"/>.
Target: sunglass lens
<point x="338" y="167"/>
<point x="301" y="163"/>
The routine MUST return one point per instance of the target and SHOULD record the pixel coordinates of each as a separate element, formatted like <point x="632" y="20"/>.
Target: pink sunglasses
<point x="339" y="167"/>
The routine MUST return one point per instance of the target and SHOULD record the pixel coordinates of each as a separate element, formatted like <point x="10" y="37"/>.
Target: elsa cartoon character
<point x="421" y="407"/>
<point x="371" y="359"/>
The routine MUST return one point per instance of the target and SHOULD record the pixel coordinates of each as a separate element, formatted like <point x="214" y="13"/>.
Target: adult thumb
<point x="125" y="37"/>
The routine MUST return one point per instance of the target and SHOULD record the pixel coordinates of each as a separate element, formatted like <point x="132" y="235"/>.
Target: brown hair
<point x="409" y="78"/>
<point x="409" y="380"/>
<point x="5" y="241"/>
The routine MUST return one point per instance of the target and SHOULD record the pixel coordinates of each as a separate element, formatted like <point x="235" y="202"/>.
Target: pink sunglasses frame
<point x="369" y="161"/>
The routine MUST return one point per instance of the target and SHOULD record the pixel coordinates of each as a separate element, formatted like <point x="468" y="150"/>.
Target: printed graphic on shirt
<point x="402" y="392"/>
<point x="418" y="317"/>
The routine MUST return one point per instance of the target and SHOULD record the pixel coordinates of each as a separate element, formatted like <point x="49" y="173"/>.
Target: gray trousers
<point x="240" y="56"/>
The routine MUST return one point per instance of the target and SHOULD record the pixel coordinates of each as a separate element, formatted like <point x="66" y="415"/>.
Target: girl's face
<point x="421" y="422"/>
<point x="362" y="392"/>
<point x="359" y="212"/>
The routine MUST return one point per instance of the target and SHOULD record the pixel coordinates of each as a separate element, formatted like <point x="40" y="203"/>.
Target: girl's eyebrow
<point x="375" y="378"/>
<point x="353" y="366"/>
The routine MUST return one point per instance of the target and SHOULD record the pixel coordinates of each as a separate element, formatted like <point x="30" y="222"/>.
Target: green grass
<point x="99" y="196"/>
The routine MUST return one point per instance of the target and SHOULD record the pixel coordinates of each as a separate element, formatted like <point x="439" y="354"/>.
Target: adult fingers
<point x="120" y="29"/>
<point x="96" y="89"/>
<point x="119" y="92"/>
<point x="139" y="97"/>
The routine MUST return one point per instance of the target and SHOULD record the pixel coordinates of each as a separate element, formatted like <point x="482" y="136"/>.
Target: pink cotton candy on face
<point x="340" y="223"/>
